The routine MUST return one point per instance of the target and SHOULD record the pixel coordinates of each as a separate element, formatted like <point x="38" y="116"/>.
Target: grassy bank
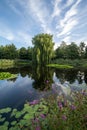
<point x="77" y="63"/>
<point x="60" y="66"/>
<point x="6" y="63"/>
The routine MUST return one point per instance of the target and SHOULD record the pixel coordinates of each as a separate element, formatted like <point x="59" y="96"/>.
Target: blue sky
<point x="20" y="20"/>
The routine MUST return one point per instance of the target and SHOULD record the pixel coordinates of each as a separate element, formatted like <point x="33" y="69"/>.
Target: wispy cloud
<point x="61" y="18"/>
<point x="67" y="39"/>
<point x="56" y="9"/>
<point x="70" y="19"/>
<point x="68" y="26"/>
<point x="69" y="3"/>
<point x="40" y="13"/>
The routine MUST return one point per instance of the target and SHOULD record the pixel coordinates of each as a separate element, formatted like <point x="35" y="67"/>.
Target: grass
<point x="7" y="75"/>
<point x="6" y="63"/>
<point x="59" y="66"/>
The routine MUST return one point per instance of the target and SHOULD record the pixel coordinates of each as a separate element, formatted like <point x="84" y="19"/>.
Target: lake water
<point x="32" y="84"/>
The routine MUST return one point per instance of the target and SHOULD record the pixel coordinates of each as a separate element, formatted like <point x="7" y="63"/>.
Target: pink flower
<point x="73" y="107"/>
<point x="34" y="102"/>
<point x="60" y="105"/>
<point x="64" y="117"/>
<point x="42" y="116"/>
<point x="47" y="81"/>
<point x="38" y="128"/>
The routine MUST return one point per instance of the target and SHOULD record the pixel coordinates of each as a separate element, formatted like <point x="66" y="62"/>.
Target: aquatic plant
<point x="7" y="75"/>
<point x="52" y="113"/>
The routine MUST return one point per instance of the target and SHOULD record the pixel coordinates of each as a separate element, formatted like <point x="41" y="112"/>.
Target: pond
<point x="31" y="84"/>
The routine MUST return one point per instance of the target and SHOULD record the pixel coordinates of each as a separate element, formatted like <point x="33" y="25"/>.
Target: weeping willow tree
<point x="43" y="49"/>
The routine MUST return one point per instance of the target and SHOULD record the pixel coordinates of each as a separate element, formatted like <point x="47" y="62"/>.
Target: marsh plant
<point x="52" y="113"/>
<point x="7" y="75"/>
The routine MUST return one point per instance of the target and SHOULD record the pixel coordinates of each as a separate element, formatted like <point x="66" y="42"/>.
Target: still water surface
<point x="33" y="84"/>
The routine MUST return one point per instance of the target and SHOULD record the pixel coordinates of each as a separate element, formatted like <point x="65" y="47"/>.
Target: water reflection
<point x="66" y="75"/>
<point x="34" y="83"/>
<point x="43" y="78"/>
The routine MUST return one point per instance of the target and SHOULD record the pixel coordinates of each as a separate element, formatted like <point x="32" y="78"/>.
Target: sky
<point x="21" y="20"/>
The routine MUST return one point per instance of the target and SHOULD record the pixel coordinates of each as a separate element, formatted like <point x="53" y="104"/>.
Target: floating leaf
<point x="5" y="110"/>
<point x="2" y="127"/>
<point x="13" y="122"/>
<point x="6" y="123"/>
<point x="2" y="119"/>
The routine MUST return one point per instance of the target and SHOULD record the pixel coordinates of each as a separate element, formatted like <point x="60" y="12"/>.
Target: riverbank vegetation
<point x="59" y="66"/>
<point x="7" y="75"/>
<point x="53" y="113"/>
<point x="43" y="53"/>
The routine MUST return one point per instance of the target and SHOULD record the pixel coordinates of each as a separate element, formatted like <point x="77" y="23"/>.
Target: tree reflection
<point x="43" y="77"/>
<point x="66" y="75"/>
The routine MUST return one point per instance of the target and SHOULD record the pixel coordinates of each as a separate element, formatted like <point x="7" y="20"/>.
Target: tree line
<point x="43" y="51"/>
<point x="71" y="51"/>
<point x="11" y="52"/>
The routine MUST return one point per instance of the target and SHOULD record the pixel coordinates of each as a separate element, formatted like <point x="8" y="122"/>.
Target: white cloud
<point x="40" y="13"/>
<point x="56" y="9"/>
<point x="70" y="19"/>
<point x="69" y="26"/>
<point x="69" y="3"/>
<point x="67" y="39"/>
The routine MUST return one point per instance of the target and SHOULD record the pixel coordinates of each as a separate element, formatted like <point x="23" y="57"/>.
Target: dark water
<point x="36" y="83"/>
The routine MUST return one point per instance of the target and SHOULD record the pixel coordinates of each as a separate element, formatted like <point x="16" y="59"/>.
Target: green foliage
<point x="71" y="51"/>
<point x="53" y="113"/>
<point x="4" y="63"/>
<point x="22" y="120"/>
<point x="7" y="75"/>
<point x="66" y="115"/>
<point x="43" y="49"/>
<point x="60" y="66"/>
<point x="76" y="63"/>
<point x="8" y="52"/>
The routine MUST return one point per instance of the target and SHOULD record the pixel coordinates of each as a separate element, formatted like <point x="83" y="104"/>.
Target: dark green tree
<point x="72" y="51"/>
<point x="61" y="51"/>
<point x="8" y="51"/>
<point x="82" y="50"/>
<point x="23" y="53"/>
<point x="29" y="53"/>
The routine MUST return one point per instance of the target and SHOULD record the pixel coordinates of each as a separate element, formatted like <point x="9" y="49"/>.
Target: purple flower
<point x="42" y="116"/>
<point x="34" y="102"/>
<point x="83" y="93"/>
<point x="64" y="117"/>
<point x="36" y="120"/>
<point x="73" y="107"/>
<point x="60" y="105"/>
<point x="38" y="128"/>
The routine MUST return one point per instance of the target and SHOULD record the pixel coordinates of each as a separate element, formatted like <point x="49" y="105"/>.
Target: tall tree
<point x="43" y="49"/>
<point x="61" y="51"/>
<point x="72" y="51"/>
<point x="23" y="53"/>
